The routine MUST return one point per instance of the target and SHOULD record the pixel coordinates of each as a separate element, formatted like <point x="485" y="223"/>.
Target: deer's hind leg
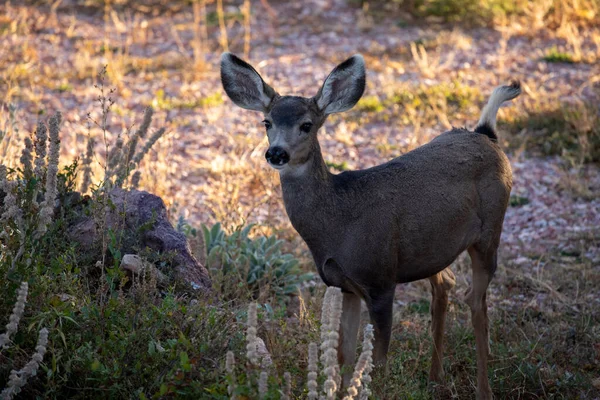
<point x="441" y="284"/>
<point x="484" y="265"/>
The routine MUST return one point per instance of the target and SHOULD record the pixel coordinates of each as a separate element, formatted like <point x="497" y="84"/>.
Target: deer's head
<point x="292" y="122"/>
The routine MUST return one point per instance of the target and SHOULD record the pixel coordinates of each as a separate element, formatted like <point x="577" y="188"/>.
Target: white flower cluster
<point x="287" y="379"/>
<point x="230" y="368"/>
<point x="15" y="317"/>
<point x="262" y="384"/>
<point x="26" y="157"/>
<point x="251" y="335"/>
<point x="18" y="379"/>
<point x="331" y="315"/>
<point x="11" y="209"/>
<point x="363" y="368"/>
<point x="313" y="369"/>
<point x="41" y="146"/>
<point x="47" y="206"/>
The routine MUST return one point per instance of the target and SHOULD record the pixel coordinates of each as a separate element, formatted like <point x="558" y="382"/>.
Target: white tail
<point x="487" y="122"/>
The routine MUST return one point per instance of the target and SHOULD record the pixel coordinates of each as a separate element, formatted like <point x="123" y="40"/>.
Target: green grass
<point x="534" y="355"/>
<point x="164" y="102"/>
<point x="455" y="94"/>
<point x="517" y="201"/>
<point x="405" y="102"/>
<point x="556" y="56"/>
<point x="370" y="104"/>
<point x="343" y="166"/>
<point x="64" y="87"/>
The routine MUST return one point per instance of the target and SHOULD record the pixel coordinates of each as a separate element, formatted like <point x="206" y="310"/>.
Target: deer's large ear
<point x="343" y="87"/>
<point x="243" y="84"/>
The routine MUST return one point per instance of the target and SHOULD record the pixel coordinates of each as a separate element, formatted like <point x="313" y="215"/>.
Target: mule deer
<point x="401" y="221"/>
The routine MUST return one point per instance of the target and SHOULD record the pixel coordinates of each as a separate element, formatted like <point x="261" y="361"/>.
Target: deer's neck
<point x="309" y="201"/>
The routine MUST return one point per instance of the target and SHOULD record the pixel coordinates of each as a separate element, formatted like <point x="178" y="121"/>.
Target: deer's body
<point x="405" y="220"/>
<point x="397" y="214"/>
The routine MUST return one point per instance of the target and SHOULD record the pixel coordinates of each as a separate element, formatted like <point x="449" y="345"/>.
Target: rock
<point x="139" y="219"/>
<point x="135" y="265"/>
<point x="263" y="353"/>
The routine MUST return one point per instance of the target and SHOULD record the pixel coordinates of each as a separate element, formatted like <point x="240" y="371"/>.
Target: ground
<point x="424" y="75"/>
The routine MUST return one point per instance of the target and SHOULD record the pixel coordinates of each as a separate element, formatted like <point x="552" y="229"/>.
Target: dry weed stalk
<point x="200" y="42"/>
<point x="224" y="41"/>
<point x="246" y="13"/>
<point x="87" y="165"/>
<point x="41" y="147"/>
<point x="428" y="66"/>
<point x="10" y="130"/>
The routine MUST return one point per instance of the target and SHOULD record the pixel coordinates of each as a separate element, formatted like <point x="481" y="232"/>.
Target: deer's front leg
<point x="381" y="311"/>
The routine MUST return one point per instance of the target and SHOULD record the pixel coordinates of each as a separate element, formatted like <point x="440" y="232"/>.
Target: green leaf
<point x="184" y="361"/>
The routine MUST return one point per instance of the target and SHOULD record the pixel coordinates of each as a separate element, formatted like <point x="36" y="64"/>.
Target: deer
<point x="404" y="220"/>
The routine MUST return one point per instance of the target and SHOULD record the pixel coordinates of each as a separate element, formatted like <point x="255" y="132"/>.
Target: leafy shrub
<point x="251" y="268"/>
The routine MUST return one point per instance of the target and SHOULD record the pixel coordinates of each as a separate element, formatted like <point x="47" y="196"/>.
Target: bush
<point x="243" y="268"/>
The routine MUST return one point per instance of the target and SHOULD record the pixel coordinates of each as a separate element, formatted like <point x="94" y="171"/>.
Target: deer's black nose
<point x="277" y="156"/>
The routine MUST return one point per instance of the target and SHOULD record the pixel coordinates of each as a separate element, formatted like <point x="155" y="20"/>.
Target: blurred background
<point x="431" y="65"/>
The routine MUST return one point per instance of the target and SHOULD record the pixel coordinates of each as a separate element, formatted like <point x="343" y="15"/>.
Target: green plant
<point x="343" y="166"/>
<point x="557" y="56"/>
<point x="370" y="104"/>
<point x="251" y="268"/>
<point x="517" y="201"/>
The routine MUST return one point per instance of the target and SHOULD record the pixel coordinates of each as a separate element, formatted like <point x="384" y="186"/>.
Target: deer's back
<point x="418" y="212"/>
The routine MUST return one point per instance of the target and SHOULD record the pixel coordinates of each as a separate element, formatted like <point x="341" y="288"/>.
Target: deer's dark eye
<point x="306" y="127"/>
<point x="267" y="124"/>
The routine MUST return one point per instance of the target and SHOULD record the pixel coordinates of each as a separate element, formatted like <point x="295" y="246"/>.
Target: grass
<point x="568" y="130"/>
<point x="538" y="351"/>
<point x="370" y="104"/>
<point x="517" y="201"/>
<point x="556" y="56"/>
<point x="164" y="102"/>
<point x="547" y="15"/>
